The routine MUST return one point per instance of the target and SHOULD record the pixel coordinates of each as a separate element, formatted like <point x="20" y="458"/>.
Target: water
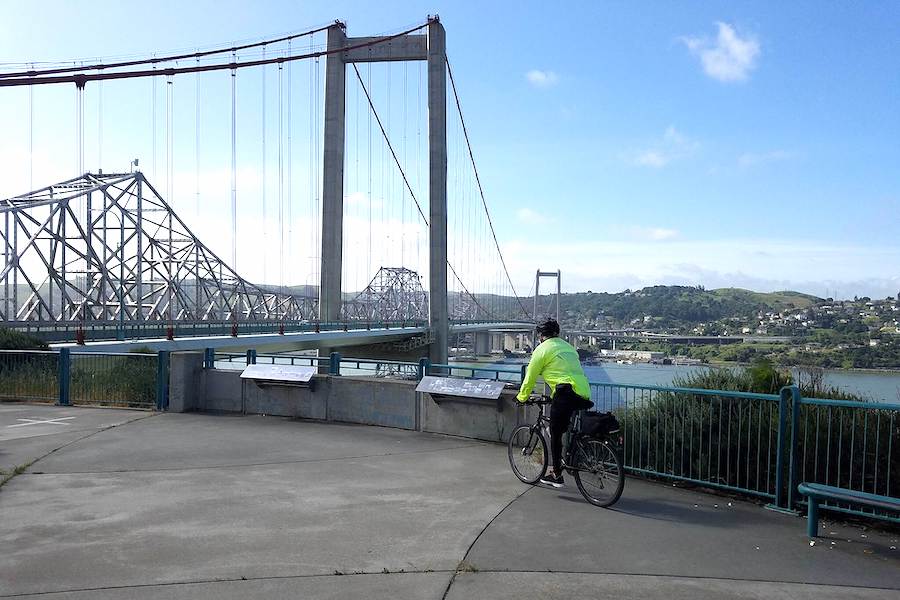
<point x="880" y="387"/>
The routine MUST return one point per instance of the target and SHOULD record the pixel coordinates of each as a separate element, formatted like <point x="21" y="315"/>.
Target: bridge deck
<point x="201" y="506"/>
<point x="290" y="340"/>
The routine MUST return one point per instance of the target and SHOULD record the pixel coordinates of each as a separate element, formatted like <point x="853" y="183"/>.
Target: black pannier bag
<point x="599" y="424"/>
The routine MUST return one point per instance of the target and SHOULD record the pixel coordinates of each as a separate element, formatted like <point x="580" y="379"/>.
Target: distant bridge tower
<point x="430" y="47"/>
<point x="551" y="309"/>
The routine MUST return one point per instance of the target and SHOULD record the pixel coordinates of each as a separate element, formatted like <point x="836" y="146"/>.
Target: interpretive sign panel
<point x="468" y="388"/>
<point x="279" y="373"/>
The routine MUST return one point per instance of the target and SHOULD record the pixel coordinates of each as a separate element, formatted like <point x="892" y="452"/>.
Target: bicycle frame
<point x="574" y="435"/>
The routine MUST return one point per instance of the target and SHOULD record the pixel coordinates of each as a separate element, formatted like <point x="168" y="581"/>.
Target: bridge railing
<point x="136" y="380"/>
<point x="30" y="375"/>
<point x="131" y="330"/>
<point x="337" y="364"/>
<point x="761" y="445"/>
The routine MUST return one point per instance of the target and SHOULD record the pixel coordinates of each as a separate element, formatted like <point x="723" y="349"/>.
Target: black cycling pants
<point x="565" y="403"/>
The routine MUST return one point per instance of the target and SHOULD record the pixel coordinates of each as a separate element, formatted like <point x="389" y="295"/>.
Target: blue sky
<point x="627" y="144"/>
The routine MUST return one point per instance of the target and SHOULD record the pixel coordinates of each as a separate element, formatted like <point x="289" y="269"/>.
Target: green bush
<point x="10" y="339"/>
<point x="114" y="380"/>
<point x="733" y="441"/>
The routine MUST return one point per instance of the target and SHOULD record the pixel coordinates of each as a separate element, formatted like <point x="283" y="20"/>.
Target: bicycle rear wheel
<point x="527" y="454"/>
<point x="600" y="476"/>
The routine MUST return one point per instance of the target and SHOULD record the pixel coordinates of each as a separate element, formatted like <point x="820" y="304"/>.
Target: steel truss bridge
<point x="104" y="257"/>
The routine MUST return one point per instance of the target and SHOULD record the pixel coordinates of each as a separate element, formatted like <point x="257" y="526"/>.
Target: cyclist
<point x="557" y="362"/>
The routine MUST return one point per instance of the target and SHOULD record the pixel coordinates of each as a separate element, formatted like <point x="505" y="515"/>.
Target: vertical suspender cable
<point x="290" y="186"/>
<point x="280" y="178"/>
<point x="170" y="134"/>
<point x="30" y="137"/>
<point x="79" y="131"/>
<point x="99" y="125"/>
<point x="369" y="273"/>
<point x="170" y="142"/>
<point x="233" y="172"/>
<point x="153" y="121"/>
<point x="403" y="190"/>
<point x="197" y="151"/>
<point x="265" y="223"/>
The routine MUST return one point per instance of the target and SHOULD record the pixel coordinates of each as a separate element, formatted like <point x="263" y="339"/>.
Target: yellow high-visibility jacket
<point x="557" y="362"/>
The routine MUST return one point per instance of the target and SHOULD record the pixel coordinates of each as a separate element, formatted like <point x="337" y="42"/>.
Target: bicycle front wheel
<point x="600" y="476"/>
<point x="527" y="451"/>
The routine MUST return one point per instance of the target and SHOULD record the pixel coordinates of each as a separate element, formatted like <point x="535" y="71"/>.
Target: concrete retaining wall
<point x="365" y="400"/>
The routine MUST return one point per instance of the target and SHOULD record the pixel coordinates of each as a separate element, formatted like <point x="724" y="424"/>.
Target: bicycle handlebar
<point x="538" y="400"/>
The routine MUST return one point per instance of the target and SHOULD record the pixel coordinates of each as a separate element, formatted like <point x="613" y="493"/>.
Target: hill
<point x="673" y="306"/>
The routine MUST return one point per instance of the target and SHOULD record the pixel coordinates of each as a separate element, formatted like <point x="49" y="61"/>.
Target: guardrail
<point x="851" y="445"/>
<point x="136" y="330"/>
<point x="134" y="380"/>
<point x="725" y="440"/>
<point x="761" y="445"/>
<point x="29" y="375"/>
<point x="340" y="365"/>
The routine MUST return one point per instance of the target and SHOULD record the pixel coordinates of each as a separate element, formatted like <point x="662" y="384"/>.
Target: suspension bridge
<point x="350" y="213"/>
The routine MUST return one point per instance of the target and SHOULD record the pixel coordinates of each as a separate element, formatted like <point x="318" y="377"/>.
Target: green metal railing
<point x="483" y="372"/>
<point x="761" y="445"/>
<point x="103" y="379"/>
<point x="851" y="445"/>
<point x="124" y="380"/>
<point x="758" y="444"/>
<point x="725" y="440"/>
<point x="30" y="375"/>
<point x="116" y="330"/>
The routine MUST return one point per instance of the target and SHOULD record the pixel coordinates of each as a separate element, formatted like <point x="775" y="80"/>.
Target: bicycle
<point x="593" y="461"/>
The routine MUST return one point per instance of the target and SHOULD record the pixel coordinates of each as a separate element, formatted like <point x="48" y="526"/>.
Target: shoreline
<point x="716" y="364"/>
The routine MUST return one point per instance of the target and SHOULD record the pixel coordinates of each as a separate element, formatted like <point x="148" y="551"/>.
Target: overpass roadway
<point x="299" y="340"/>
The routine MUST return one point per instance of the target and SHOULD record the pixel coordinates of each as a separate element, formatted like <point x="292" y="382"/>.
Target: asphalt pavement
<point x="133" y="504"/>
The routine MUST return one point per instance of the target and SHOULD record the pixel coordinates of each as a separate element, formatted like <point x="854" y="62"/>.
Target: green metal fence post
<point x="795" y="442"/>
<point x="784" y="398"/>
<point x="64" y="376"/>
<point x="334" y="365"/>
<point x="424" y="363"/>
<point x="162" y="380"/>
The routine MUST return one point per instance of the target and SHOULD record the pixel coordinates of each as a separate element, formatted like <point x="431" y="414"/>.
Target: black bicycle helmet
<point x="548" y="328"/>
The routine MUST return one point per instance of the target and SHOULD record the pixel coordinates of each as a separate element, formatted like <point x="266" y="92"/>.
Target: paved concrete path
<point x="135" y="505"/>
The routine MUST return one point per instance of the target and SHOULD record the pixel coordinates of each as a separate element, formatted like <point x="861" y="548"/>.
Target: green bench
<point x="816" y="493"/>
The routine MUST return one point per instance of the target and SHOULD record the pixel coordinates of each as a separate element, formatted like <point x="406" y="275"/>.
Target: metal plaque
<point x="283" y="373"/>
<point x="468" y="388"/>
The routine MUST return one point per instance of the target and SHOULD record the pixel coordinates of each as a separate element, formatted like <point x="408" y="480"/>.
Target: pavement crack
<point x="257" y="464"/>
<point x="239" y="579"/>
<point x="464" y="564"/>
<point x="20" y="470"/>
<point x="674" y="576"/>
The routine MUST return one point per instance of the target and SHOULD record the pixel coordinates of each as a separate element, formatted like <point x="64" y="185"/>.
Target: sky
<point x="721" y="144"/>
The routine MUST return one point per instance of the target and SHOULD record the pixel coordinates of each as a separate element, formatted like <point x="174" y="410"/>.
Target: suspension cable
<point x="480" y="189"/>
<point x="80" y="77"/>
<point x="406" y="181"/>
<point x="162" y="59"/>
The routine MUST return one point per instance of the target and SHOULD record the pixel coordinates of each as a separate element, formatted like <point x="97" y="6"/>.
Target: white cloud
<point x="532" y="217"/>
<point x="655" y="234"/>
<point x="763" y="264"/>
<point x="652" y="158"/>
<point x="672" y="146"/>
<point x="541" y="79"/>
<point x="729" y="58"/>
<point x="750" y="159"/>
